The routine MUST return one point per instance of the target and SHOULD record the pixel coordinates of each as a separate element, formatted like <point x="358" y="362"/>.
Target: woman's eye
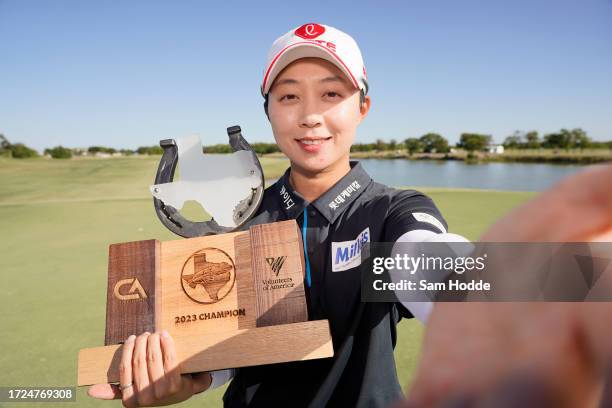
<point x="288" y="97"/>
<point x="332" y="94"/>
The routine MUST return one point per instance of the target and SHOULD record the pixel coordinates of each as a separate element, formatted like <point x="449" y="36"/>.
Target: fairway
<point x="58" y="218"/>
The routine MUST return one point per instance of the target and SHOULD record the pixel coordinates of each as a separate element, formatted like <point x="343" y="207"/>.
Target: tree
<point x="580" y="139"/>
<point x="392" y="144"/>
<point x="363" y="147"/>
<point x="567" y="139"/>
<point x="21" y="151"/>
<point x="265" y="148"/>
<point x="150" y="150"/>
<point x="532" y="140"/>
<point x="513" y="142"/>
<point x="4" y="146"/>
<point x="474" y="141"/>
<point x="558" y="140"/>
<point x="217" y="149"/>
<point x="433" y="142"/>
<point x="59" y="152"/>
<point x="413" y="145"/>
<point x="380" y="145"/>
<point x="101" y="149"/>
<point x="17" y="150"/>
<point x="4" y="143"/>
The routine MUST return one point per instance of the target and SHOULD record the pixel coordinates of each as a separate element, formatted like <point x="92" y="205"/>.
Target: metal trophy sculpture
<point x="230" y="299"/>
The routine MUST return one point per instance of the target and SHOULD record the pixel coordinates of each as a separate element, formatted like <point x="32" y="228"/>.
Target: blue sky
<point x="129" y="73"/>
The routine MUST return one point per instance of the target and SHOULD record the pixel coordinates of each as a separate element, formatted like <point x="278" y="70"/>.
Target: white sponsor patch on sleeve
<point x="430" y="219"/>
<point x="347" y="254"/>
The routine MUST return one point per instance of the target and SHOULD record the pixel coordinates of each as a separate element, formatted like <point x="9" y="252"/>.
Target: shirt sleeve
<point x="411" y="210"/>
<point x="421" y="310"/>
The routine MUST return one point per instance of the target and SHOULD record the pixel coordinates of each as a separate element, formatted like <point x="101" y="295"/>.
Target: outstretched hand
<point x="527" y="354"/>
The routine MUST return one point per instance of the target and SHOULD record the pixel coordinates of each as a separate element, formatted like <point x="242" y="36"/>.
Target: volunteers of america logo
<point x="347" y="254"/>
<point x="346" y="193"/>
<point x="276" y="263"/>
<point x="208" y="275"/>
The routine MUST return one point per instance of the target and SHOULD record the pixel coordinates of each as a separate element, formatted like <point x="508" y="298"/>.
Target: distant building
<point x="495" y="149"/>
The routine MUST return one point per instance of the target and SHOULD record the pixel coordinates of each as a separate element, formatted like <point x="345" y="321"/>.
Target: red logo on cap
<point x="310" y="31"/>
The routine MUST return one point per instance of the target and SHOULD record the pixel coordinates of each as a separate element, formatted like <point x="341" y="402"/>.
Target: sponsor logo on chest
<point x="347" y="254"/>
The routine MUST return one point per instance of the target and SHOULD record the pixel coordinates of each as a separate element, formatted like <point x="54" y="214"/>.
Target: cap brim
<point x="303" y="50"/>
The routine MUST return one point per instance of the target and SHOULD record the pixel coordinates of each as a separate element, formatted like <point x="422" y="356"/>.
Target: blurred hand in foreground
<point x="527" y="354"/>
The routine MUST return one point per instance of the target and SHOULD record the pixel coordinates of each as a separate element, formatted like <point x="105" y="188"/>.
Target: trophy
<point x="229" y="298"/>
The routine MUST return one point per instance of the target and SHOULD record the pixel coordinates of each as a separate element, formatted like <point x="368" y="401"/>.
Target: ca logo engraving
<point x="276" y="263"/>
<point x="136" y="291"/>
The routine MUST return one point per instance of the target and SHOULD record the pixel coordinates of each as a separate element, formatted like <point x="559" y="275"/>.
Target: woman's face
<point x="314" y="111"/>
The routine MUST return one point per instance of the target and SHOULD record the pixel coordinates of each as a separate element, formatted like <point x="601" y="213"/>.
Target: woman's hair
<point x="265" y="104"/>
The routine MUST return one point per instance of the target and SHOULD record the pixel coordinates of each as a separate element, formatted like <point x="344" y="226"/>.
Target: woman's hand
<point x="527" y="354"/>
<point x="149" y="374"/>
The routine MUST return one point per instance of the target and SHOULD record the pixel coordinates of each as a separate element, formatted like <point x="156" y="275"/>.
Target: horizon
<point x="125" y="75"/>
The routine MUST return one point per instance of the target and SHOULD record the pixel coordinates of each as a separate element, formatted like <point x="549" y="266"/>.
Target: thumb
<point x="201" y="381"/>
<point x="104" y="391"/>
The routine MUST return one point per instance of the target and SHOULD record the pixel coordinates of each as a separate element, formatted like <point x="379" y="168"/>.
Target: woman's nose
<point x="311" y="117"/>
<point x="310" y="121"/>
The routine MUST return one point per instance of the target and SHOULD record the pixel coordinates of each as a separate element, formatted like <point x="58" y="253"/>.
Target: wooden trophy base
<point x="248" y="347"/>
<point x="230" y="300"/>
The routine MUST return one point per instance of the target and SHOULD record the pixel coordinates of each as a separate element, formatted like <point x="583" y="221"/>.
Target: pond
<point x="458" y="174"/>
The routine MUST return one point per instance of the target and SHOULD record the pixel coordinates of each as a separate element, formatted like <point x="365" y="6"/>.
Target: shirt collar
<point x="331" y="203"/>
<point x="289" y="200"/>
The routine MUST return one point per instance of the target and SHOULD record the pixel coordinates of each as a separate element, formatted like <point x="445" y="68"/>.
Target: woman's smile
<point x="313" y="144"/>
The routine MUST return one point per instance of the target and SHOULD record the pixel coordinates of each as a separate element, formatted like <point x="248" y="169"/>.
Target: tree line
<point x="472" y="142"/>
<point x="428" y="143"/>
<point x="563" y="139"/>
<point x="21" y="151"/>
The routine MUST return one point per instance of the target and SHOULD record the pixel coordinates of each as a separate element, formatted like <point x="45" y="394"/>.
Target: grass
<point x="58" y="218"/>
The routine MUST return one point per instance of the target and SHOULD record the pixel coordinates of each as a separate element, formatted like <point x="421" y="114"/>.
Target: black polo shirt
<point x="362" y="372"/>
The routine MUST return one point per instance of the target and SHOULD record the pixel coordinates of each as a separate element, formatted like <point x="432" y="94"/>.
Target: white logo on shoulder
<point x="347" y="254"/>
<point x="430" y="219"/>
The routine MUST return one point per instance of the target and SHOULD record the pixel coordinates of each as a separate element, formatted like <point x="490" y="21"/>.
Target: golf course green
<point x="58" y="218"/>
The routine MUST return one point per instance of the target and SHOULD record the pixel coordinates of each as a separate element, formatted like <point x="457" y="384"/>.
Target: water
<point x="457" y="174"/>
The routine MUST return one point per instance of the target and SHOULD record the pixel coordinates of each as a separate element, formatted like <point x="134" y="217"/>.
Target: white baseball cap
<point x="319" y="41"/>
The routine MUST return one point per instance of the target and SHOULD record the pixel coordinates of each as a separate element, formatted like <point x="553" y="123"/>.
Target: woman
<point x="315" y="89"/>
